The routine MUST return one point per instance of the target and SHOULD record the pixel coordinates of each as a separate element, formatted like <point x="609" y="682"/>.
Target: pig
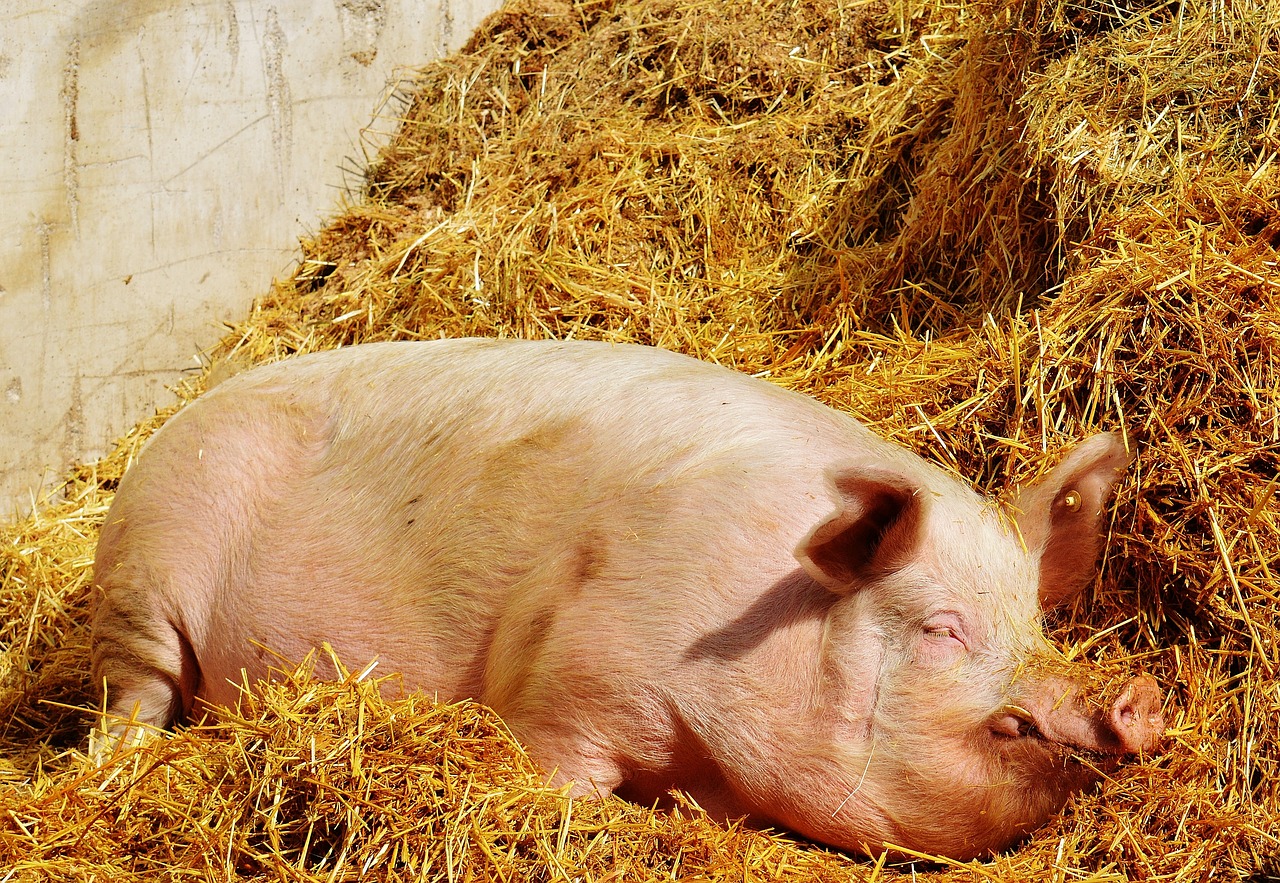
<point x="661" y="573"/>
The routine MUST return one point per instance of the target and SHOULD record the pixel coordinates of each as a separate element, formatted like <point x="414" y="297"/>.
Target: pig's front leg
<point x="575" y="762"/>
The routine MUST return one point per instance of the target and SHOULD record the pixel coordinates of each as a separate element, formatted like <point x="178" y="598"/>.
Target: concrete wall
<point x="158" y="161"/>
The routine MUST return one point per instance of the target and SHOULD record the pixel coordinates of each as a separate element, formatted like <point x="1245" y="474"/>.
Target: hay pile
<point x="985" y="228"/>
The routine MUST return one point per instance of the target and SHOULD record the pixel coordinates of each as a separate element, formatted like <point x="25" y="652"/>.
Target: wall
<point x="158" y="161"/>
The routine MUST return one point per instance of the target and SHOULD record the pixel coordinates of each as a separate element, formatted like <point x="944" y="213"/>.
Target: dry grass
<point x="985" y="228"/>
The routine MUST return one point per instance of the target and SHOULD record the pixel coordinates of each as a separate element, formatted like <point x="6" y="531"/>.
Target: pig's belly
<point x="413" y="650"/>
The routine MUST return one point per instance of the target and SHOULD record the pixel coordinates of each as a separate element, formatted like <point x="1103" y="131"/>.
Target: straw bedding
<point x="985" y="228"/>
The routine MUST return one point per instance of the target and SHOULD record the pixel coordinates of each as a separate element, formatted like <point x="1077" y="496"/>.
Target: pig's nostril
<point x="1135" y="716"/>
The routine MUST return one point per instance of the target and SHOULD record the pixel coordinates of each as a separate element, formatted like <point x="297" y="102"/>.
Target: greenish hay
<point x="985" y="228"/>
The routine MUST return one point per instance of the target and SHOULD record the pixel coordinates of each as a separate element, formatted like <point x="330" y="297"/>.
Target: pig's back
<point x="497" y="389"/>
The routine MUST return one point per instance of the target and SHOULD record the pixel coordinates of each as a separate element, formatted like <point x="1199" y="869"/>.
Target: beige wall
<point x="158" y="161"/>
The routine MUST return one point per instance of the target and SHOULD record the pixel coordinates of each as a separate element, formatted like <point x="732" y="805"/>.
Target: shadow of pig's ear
<point x="875" y="528"/>
<point x="1060" y="517"/>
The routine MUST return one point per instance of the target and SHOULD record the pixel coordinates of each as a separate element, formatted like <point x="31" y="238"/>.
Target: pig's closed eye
<point x="943" y="635"/>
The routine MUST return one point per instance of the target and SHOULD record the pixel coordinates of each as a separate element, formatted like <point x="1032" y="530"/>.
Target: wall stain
<point x="444" y="13"/>
<point x="279" y="102"/>
<point x="70" y="95"/>
<point x="73" y="422"/>
<point x="361" y="22"/>
<point x="233" y="35"/>
<point x="146" y="110"/>
<point x="44" y="233"/>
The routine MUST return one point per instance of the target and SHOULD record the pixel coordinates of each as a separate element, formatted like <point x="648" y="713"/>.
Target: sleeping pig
<point x="661" y="573"/>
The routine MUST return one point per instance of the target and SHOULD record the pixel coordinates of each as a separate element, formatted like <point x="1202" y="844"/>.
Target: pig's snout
<point x="1054" y="712"/>
<point x="1135" y="715"/>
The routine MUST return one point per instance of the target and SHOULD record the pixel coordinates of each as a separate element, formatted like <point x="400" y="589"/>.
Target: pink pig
<point x="661" y="573"/>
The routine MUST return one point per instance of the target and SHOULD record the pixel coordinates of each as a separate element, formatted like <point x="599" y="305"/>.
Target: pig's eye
<point x="943" y="633"/>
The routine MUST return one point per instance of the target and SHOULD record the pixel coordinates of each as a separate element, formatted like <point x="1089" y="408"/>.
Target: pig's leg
<point x="146" y="670"/>
<point x="183" y="518"/>
<point x="530" y="679"/>
<point x="572" y="761"/>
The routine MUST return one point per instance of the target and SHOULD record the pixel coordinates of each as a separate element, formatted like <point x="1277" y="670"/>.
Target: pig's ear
<point x="875" y="528"/>
<point x="1060" y="517"/>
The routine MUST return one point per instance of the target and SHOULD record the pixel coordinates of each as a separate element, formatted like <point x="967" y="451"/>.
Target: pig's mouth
<point x="1016" y="724"/>
<point x="1056" y="717"/>
<point x="1074" y="733"/>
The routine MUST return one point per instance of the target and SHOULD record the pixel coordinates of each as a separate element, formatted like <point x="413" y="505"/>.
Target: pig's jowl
<point x="661" y="573"/>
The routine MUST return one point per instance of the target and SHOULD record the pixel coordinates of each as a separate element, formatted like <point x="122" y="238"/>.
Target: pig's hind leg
<point x="145" y="669"/>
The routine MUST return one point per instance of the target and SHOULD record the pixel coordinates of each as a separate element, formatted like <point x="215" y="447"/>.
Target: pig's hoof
<point x="106" y="742"/>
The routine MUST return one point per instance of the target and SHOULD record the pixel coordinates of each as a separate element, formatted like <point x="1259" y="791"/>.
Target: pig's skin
<point x="659" y="572"/>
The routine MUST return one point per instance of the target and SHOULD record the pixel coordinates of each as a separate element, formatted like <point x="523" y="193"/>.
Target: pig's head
<point x="972" y="728"/>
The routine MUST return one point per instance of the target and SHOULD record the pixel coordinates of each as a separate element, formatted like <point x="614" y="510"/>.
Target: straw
<point x="988" y="229"/>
